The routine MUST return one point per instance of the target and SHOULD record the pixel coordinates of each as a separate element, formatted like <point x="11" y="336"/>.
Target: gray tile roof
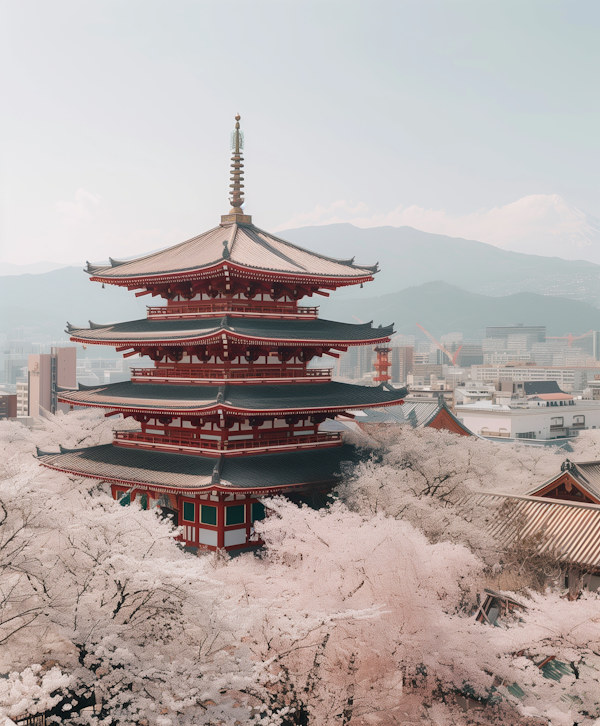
<point x="585" y="473"/>
<point x="192" y="398"/>
<point x="247" y="246"/>
<point x="569" y="528"/>
<point x="181" y="471"/>
<point x="182" y="331"/>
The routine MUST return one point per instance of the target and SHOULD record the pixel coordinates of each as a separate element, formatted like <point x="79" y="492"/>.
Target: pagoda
<point x="231" y="410"/>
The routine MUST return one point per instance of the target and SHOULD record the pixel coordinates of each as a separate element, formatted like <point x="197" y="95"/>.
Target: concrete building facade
<point x="47" y="373"/>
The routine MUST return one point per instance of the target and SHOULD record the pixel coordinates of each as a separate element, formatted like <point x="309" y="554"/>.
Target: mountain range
<point x="49" y="300"/>
<point x="410" y="257"/>
<point x="442" y="308"/>
<point x="538" y="224"/>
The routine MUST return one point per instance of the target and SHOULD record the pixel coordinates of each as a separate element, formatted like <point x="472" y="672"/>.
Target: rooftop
<point x="571" y="529"/>
<point x="251" y="329"/>
<point x="180" y="471"/>
<point x="585" y="473"/>
<point x="236" y="245"/>
<point x="232" y="398"/>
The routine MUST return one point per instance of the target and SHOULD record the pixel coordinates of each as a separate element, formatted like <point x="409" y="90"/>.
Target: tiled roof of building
<point x="568" y="528"/>
<point x="585" y="473"/>
<point x="181" y="471"/>
<point x="192" y="398"/>
<point x="244" y="245"/>
<point x="533" y="388"/>
<point x="184" y="331"/>
<point x="416" y="413"/>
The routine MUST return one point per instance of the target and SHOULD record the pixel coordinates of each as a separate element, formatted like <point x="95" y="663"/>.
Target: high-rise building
<point x="231" y="410"/>
<point x="596" y="344"/>
<point x="402" y="362"/>
<point x="47" y="373"/>
<point x="537" y="333"/>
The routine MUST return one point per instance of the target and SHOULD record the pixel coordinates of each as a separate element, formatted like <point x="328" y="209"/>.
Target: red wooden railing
<point x="209" y="307"/>
<point x="215" y="372"/>
<point x="186" y="441"/>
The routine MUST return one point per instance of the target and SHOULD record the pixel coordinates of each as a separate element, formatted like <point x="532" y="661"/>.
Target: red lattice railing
<point x="231" y="307"/>
<point x="216" y="372"/>
<point x="185" y="441"/>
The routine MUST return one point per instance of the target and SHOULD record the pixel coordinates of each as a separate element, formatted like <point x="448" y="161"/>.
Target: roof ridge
<point x="95" y="268"/>
<point x="340" y="261"/>
<point x="539" y="500"/>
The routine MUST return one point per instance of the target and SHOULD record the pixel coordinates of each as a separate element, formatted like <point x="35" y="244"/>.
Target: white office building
<point x="570" y="378"/>
<point x="530" y="419"/>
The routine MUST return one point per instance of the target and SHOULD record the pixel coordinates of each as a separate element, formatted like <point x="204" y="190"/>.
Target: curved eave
<point x="217" y="336"/>
<point x="209" y="486"/>
<point x="236" y="270"/>
<point x="227" y="409"/>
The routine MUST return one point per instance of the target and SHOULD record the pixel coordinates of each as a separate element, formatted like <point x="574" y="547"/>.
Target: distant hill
<point x="442" y="308"/>
<point x="409" y="257"/>
<point x="44" y="302"/>
<point x="34" y="268"/>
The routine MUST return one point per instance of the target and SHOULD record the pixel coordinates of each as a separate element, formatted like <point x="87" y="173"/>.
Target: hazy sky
<point x="116" y="115"/>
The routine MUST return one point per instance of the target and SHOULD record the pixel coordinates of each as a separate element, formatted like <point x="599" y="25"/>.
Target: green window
<point x="235" y="514"/>
<point x="258" y="511"/>
<point x="208" y="515"/>
<point x="189" y="512"/>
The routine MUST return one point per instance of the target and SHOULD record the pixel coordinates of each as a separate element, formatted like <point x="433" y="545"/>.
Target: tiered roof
<point x="239" y="247"/>
<point x="283" y="398"/>
<point x="252" y="330"/>
<point x="242" y="264"/>
<point x="262" y="473"/>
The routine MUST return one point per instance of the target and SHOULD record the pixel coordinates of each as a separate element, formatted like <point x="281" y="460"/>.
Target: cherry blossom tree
<point x="360" y="613"/>
<point x="105" y="595"/>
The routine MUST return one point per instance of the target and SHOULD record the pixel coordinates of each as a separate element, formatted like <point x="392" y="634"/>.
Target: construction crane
<point x="570" y="337"/>
<point x="452" y="357"/>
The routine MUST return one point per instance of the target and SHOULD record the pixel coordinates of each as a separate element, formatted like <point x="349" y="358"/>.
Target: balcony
<point x="186" y="444"/>
<point x="218" y="374"/>
<point x="209" y="308"/>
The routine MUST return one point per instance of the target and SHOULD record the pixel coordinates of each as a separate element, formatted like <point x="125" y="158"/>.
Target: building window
<point x="120" y="494"/>
<point x="557" y="422"/>
<point x="208" y="515"/>
<point x="579" y="421"/>
<point x="189" y="512"/>
<point x="235" y="514"/>
<point x="258" y="511"/>
<point x="527" y="435"/>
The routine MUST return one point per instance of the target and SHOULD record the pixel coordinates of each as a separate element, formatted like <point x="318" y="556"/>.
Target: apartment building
<point x="573" y="378"/>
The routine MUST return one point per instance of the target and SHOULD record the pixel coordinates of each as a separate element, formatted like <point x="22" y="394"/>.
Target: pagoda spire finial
<point x="236" y="213"/>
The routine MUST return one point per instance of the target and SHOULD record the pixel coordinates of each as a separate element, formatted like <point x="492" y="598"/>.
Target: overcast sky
<point x="116" y="115"/>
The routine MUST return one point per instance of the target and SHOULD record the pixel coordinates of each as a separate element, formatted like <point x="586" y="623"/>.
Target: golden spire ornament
<point x="236" y="213"/>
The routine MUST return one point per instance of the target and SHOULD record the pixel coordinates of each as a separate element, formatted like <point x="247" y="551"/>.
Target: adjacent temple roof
<point x="242" y="245"/>
<point x="585" y="475"/>
<point x="570" y="529"/>
<point x="174" y="399"/>
<point x="419" y="414"/>
<point x="181" y="471"/>
<point x="180" y="332"/>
